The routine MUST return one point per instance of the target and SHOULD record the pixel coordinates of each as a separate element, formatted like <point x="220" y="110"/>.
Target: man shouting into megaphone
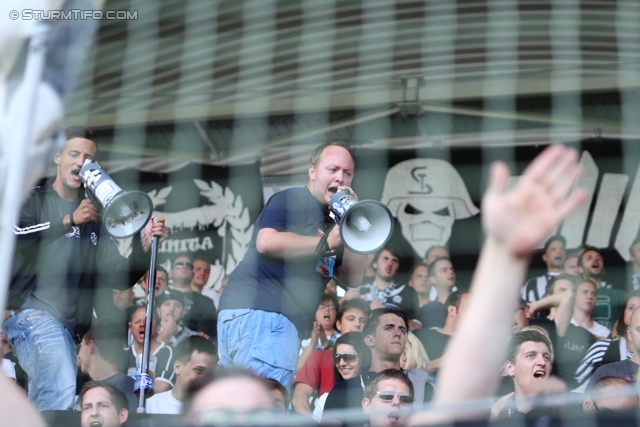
<point x="62" y="253"/>
<point x="273" y="294"/>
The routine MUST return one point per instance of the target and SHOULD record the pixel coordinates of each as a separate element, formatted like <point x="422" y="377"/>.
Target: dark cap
<point x="169" y="294"/>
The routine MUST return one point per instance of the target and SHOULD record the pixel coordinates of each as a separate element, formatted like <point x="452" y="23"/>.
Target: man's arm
<point x="351" y="271"/>
<point x="35" y="224"/>
<point x="119" y="272"/>
<point x="515" y="221"/>
<point x="564" y="301"/>
<point x="285" y="244"/>
<point x="301" y="395"/>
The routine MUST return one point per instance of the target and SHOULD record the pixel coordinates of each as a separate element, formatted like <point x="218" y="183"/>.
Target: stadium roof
<point x="228" y="82"/>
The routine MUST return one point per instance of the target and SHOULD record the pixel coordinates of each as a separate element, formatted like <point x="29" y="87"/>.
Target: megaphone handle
<point x="323" y="241"/>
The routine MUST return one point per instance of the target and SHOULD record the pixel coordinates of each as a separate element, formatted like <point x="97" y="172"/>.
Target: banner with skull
<point x="434" y="195"/>
<point x="209" y="211"/>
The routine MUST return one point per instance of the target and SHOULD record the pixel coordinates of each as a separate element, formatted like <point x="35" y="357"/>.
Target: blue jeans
<point x="263" y="342"/>
<point x="46" y="352"/>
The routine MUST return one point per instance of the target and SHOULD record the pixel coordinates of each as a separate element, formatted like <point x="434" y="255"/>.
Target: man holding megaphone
<point x="273" y="294"/>
<point x="62" y="252"/>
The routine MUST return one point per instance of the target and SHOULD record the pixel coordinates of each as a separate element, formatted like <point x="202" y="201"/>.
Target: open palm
<point x="524" y="216"/>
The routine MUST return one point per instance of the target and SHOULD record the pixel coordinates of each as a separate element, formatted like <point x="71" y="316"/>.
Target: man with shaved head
<point x="275" y="291"/>
<point x="611" y="394"/>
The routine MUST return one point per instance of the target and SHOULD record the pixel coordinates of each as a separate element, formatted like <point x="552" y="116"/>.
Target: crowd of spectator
<point x="384" y="347"/>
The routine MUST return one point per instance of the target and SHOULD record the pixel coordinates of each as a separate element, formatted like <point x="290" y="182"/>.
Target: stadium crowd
<point x="278" y="340"/>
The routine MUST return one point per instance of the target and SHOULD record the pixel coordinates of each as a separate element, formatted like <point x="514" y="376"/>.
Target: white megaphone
<point x="365" y="226"/>
<point x="124" y="213"/>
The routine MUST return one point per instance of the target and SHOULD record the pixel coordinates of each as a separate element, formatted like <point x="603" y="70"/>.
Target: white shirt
<point x="433" y="293"/>
<point x="163" y="403"/>
<point x="8" y="369"/>
<point x="597" y="329"/>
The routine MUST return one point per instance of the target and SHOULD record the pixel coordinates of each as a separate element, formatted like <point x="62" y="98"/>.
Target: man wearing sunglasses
<point x="386" y="335"/>
<point x="388" y="399"/>
<point x="275" y="291"/>
<point x="200" y="312"/>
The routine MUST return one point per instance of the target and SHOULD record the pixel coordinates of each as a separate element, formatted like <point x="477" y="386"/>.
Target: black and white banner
<point x="209" y="210"/>
<point x="435" y="193"/>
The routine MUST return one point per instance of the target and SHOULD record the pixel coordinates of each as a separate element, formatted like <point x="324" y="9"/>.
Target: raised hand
<point x="521" y="218"/>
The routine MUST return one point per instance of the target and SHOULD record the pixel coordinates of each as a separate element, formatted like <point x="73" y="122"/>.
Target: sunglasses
<point x="388" y="396"/>
<point x="183" y="265"/>
<point x="347" y="357"/>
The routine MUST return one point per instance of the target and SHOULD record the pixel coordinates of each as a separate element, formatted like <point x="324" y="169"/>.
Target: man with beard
<point x="609" y="300"/>
<point x="553" y="256"/>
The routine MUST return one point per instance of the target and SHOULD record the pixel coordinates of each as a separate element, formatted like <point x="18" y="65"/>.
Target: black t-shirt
<point x="201" y="313"/>
<point x="548" y="325"/>
<point x="570" y="350"/>
<point x="123" y="382"/>
<point x="433" y="315"/>
<point x="433" y="341"/>
<point x="349" y="393"/>
<point x="291" y="286"/>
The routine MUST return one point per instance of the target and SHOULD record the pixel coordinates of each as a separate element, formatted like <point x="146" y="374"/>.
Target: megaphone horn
<point x="365" y="226"/>
<point x="124" y="213"/>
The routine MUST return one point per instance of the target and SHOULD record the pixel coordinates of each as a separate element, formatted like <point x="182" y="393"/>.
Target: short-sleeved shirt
<point x="433" y="315"/>
<point x="201" y="314"/>
<point x="434" y="342"/>
<point x="289" y="286"/>
<point x="163" y="403"/>
<point x="122" y="382"/>
<point x="570" y="351"/>
<point x="317" y="371"/>
<point x="403" y="297"/>
<point x="625" y="369"/>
